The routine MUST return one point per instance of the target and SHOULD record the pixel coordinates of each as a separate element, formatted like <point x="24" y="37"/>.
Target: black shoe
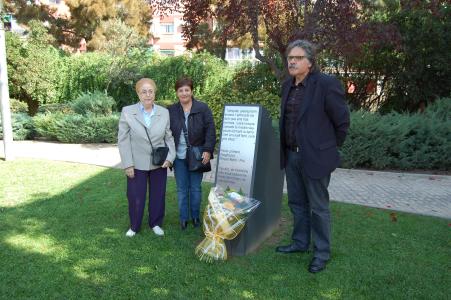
<point x="183" y="225"/>
<point x="196" y="222"/>
<point x="290" y="249"/>
<point x="317" y="265"/>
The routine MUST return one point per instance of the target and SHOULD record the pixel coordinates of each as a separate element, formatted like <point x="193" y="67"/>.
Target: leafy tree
<point x="411" y="71"/>
<point x="422" y="71"/>
<point x="85" y="17"/>
<point x="116" y="37"/>
<point x="339" y="26"/>
<point x="208" y="39"/>
<point x="34" y="67"/>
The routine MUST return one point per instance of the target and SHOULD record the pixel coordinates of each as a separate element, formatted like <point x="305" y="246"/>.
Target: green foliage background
<point x="77" y="97"/>
<point x="400" y="141"/>
<point x="35" y="68"/>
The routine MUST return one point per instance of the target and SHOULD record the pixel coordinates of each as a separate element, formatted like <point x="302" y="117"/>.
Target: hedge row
<point x="392" y="141"/>
<point x="397" y="141"/>
<point x="75" y="128"/>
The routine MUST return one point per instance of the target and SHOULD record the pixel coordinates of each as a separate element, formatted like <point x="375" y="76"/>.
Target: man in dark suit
<point x="313" y="123"/>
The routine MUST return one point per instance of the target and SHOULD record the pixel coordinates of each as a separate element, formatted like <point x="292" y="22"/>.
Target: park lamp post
<point x="4" y="94"/>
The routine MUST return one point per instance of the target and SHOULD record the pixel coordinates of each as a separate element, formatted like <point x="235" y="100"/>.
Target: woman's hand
<point x="130" y="172"/>
<point x="166" y="164"/>
<point x="206" y="157"/>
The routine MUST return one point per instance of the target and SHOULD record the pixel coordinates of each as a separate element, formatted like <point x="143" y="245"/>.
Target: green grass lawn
<point x="62" y="229"/>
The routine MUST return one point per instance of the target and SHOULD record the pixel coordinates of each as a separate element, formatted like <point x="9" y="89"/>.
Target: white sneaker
<point x="130" y="233"/>
<point x="157" y="230"/>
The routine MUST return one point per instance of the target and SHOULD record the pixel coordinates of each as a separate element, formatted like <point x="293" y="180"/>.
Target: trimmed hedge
<point x="75" y="128"/>
<point x="400" y="141"/>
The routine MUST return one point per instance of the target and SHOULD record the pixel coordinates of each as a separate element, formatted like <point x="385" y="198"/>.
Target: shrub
<point x="88" y="129"/>
<point x="208" y="73"/>
<point x="249" y="78"/>
<point x="400" y="141"/>
<point x="95" y="103"/>
<point x="439" y="110"/>
<point x="35" y="69"/>
<point x="218" y="99"/>
<point x="18" y="106"/>
<point x="22" y="125"/>
<point x="47" y="125"/>
<point x="85" y="73"/>
<point x="54" y="108"/>
<point x="76" y="128"/>
<point x="117" y="75"/>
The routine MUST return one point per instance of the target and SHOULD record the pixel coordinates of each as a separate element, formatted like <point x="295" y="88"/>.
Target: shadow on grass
<point x="72" y="245"/>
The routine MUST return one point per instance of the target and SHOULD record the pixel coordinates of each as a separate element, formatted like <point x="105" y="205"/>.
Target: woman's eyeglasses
<point x="146" y="92"/>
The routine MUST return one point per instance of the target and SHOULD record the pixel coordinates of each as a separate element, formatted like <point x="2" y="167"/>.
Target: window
<point x="167" y="52"/>
<point x="236" y="55"/>
<point x="167" y="28"/>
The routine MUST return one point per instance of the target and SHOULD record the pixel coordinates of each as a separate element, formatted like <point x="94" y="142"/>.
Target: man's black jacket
<point x="321" y="125"/>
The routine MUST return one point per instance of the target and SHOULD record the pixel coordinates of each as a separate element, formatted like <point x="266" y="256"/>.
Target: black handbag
<point x="194" y="155"/>
<point x="159" y="154"/>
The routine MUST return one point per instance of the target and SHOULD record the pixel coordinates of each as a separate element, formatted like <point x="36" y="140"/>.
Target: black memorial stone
<point x="249" y="161"/>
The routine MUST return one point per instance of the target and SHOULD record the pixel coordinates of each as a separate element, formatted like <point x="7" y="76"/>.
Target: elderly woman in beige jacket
<point x="142" y="127"/>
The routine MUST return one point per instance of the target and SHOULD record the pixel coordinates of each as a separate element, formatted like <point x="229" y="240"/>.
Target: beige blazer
<point x="133" y="144"/>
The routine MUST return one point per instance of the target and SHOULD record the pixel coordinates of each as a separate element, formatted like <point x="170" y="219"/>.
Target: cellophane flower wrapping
<point x="224" y="218"/>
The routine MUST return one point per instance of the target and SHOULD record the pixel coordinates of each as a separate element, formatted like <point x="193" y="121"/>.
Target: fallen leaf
<point x="393" y="217"/>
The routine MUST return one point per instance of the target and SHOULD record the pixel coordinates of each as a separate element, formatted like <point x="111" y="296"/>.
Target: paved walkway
<point x="416" y="193"/>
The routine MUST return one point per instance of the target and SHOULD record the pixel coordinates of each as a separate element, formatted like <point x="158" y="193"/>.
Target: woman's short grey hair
<point x="310" y="51"/>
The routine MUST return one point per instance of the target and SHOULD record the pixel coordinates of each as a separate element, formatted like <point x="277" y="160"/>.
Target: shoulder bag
<point x="159" y="154"/>
<point x="194" y="155"/>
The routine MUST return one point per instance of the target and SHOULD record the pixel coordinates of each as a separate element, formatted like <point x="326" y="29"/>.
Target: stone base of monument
<point x="249" y="162"/>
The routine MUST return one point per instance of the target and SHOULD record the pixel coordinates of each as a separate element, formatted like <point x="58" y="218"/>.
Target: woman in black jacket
<point x="196" y="119"/>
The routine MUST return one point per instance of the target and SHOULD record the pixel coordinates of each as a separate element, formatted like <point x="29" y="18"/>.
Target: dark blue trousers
<point x="136" y="194"/>
<point x="308" y="200"/>
<point x="189" y="190"/>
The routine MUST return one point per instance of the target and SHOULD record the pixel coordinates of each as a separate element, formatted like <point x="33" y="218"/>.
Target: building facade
<point x="166" y="34"/>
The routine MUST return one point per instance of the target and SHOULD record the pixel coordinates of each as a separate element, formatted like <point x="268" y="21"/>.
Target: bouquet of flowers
<point x="224" y="217"/>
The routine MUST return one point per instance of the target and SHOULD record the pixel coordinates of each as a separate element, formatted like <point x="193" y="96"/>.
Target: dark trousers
<point x="189" y="190"/>
<point x="136" y="194"/>
<point x="308" y="200"/>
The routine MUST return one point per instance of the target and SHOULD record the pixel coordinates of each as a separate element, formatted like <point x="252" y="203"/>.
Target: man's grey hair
<point x="310" y="52"/>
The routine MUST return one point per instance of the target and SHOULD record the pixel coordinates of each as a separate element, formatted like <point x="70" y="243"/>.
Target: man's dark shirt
<point x="295" y="97"/>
